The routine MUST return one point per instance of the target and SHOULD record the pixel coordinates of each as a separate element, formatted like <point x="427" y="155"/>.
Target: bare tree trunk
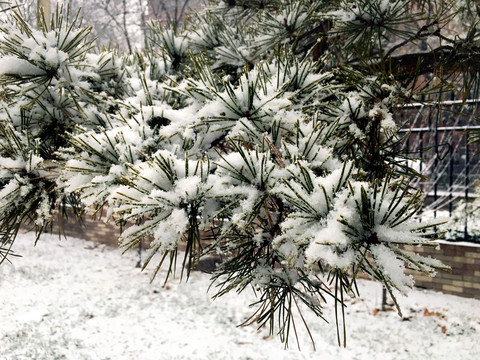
<point x="143" y="22"/>
<point x="44" y="5"/>
<point x="125" y="30"/>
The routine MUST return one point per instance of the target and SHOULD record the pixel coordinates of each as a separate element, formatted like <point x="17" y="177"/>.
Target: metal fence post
<point x="467" y="184"/>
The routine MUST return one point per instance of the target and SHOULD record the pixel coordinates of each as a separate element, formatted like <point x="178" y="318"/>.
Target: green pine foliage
<point x="262" y="132"/>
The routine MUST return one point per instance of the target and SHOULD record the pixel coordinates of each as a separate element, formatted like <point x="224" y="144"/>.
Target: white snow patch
<point x="74" y="299"/>
<point x="11" y="65"/>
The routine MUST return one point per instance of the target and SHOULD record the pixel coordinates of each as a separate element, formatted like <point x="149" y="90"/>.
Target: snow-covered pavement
<point x="71" y="299"/>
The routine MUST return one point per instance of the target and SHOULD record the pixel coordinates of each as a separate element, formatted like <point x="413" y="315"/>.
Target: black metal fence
<point x="438" y="137"/>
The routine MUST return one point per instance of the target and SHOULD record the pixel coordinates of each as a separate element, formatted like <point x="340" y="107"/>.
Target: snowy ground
<point x="71" y="300"/>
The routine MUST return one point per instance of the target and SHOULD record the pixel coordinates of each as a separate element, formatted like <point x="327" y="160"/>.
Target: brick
<point x="413" y="272"/>
<point x="444" y="281"/>
<point x="470" y="254"/>
<point x="472" y="264"/>
<point x="443" y="248"/>
<point x="451" y="288"/>
<point x="476" y="286"/>
<point x="450" y="276"/>
<point x="474" y="279"/>
<point x="468" y="272"/>
<point x="432" y="286"/>
<point x="450" y="250"/>
<point x="463" y="260"/>
<point x="457" y="271"/>
<point x="423" y="278"/>
<point x="471" y="248"/>
<point x="472" y="267"/>
<point x="471" y="293"/>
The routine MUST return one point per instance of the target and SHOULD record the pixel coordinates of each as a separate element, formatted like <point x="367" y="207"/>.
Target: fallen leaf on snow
<point x="426" y="312"/>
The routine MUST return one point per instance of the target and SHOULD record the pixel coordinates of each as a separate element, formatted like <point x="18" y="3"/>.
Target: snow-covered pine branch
<point x="264" y="126"/>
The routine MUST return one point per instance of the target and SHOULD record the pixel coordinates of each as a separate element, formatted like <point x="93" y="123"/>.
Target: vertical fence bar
<point x="421" y="151"/>
<point x="420" y="169"/>
<point x="428" y="141"/>
<point x="435" y="176"/>
<point x="467" y="184"/>
<point x="434" y="171"/>
<point x="450" y="177"/>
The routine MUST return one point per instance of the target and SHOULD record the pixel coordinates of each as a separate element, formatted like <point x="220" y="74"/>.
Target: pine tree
<point x="266" y="127"/>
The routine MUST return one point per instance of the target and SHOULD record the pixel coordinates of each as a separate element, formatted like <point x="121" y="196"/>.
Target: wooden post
<point x="45" y="6"/>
